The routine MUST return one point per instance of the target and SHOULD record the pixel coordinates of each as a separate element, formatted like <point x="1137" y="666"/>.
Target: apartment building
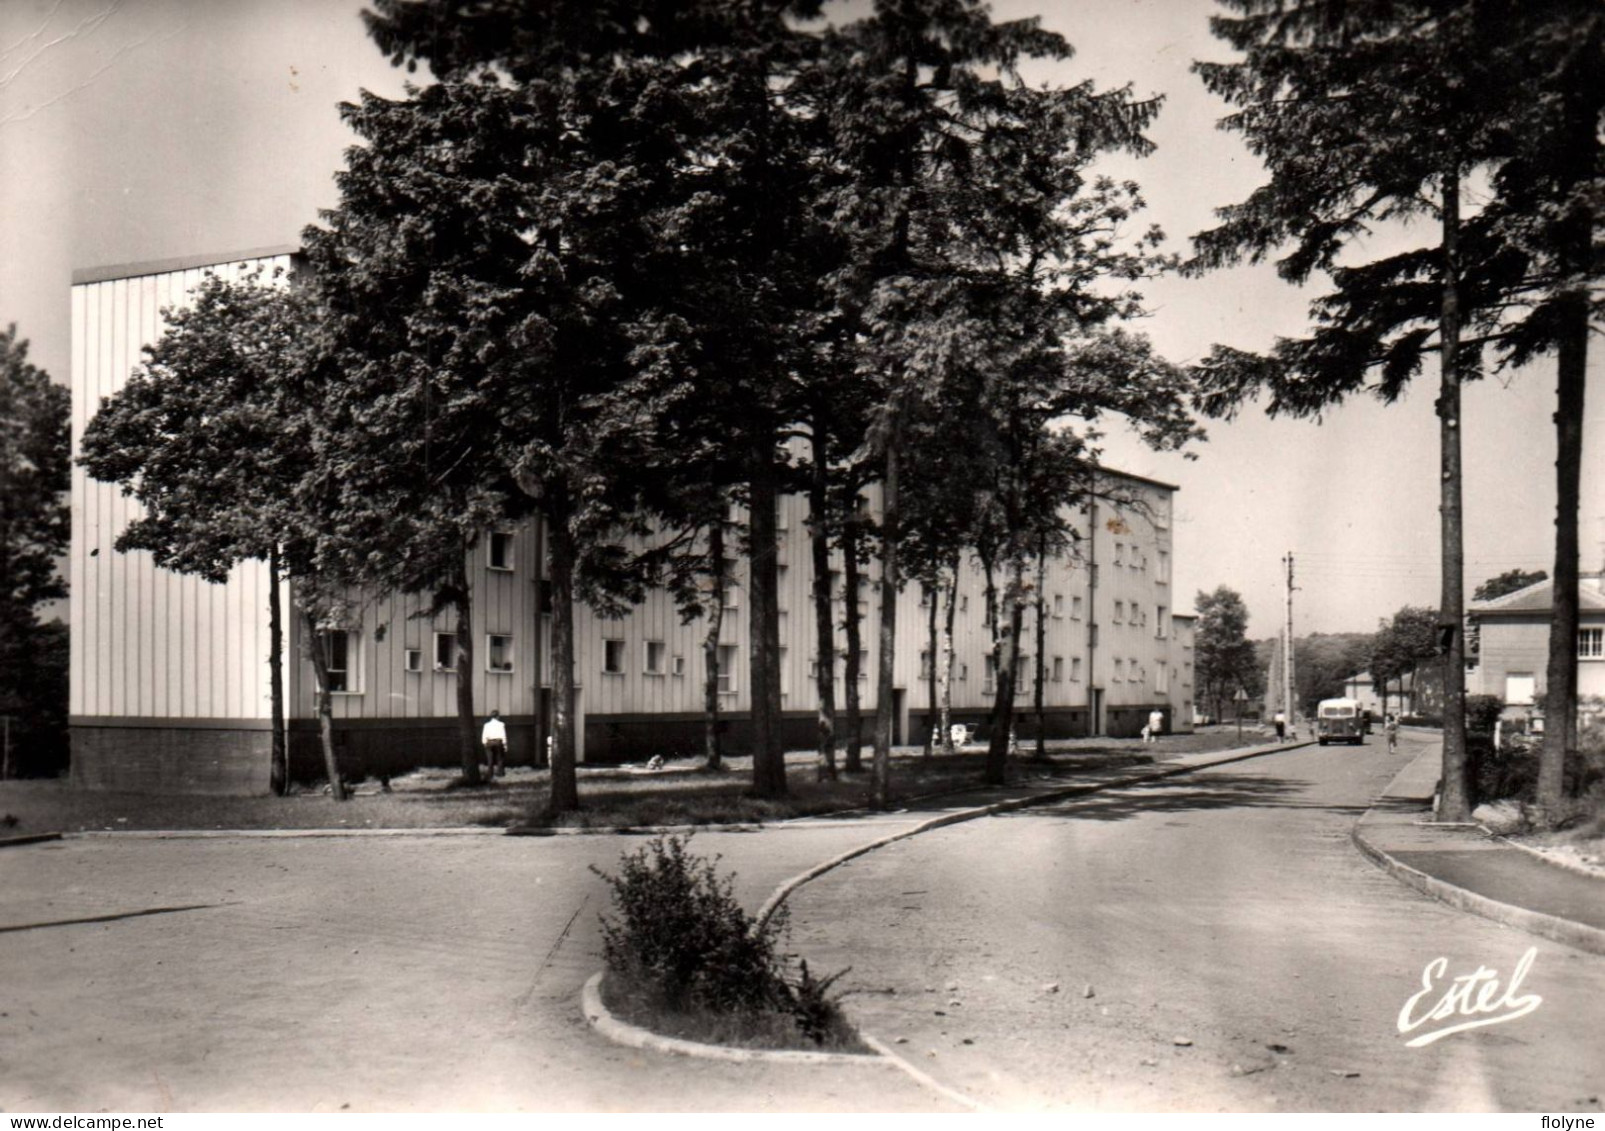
<point x="170" y="677"/>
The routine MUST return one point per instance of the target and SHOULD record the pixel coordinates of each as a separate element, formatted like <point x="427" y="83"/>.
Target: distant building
<point x="1400" y="699"/>
<point x="170" y="685"/>
<point x="1515" y="643"/>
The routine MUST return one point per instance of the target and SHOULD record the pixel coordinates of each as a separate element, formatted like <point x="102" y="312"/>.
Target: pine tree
<point x="1366" y="113"/>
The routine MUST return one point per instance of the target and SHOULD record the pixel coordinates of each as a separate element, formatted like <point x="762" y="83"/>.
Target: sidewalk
<point x="1467" y="868"/>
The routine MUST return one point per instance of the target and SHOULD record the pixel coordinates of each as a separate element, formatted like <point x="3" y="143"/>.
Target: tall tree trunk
<point x="320" y="676"/>
<point x="851" y="665"/>
<point x="930" y="671"/>
<point x="768" y="754"/>
<point x="1042" y="648"/>
<point x="279" y="767"/>
<point x="824" y="629"/>
<point x="1560" y="697"/>
<point x="1456" y="797"/>
<point x="948" y="614"/>
<point x="1581" y="107"/>
<point x="467" y="724"/>
<point x="712" y="751"/>
<point x="881" y="789"/>
<point x="565" y="795"/>
<point x="1011" y="619"/>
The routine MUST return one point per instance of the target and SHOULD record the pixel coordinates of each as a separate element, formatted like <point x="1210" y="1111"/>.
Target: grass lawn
<point x="679" y="794"/>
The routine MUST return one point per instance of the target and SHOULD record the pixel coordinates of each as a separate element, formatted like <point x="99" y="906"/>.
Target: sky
<point x="140" y="130"/>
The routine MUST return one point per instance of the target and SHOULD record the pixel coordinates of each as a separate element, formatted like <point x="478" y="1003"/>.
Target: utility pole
<point x="1287" y="650"/>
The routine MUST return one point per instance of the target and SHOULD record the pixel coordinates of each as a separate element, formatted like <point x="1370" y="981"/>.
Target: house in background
<point x="1515" y="644"/>
<point x="170" y="677"/>
<point x="1363" y="690"/>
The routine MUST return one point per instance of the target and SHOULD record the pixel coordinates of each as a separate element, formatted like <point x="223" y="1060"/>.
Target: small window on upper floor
<point x="613" y="657"/>
<point x="501" y="550"/>
<point x="1119" y="615"/>
<point x="653" y="654"/>
<point x="1120" y="553"/>
<point x="1058" y="605"/>
<point x="445" y="651"/>
<point x="498" y="653"/>
<point x="413" y="659"/>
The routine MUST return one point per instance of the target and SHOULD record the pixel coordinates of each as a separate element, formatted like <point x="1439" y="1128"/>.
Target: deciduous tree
<point x="1223" y="658"/>
<point x="34" y="528"/>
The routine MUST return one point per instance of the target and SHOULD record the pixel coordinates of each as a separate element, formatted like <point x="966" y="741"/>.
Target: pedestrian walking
<point x="1280" y="722"/>
<point x="1155" y="727"/>
<point x="494" y="739"/>
<point x="1392" y="729"/>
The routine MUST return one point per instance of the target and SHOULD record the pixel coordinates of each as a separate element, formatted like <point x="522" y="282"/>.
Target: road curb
<point x="26" y="838"/>
<point x="1551" y="927"/>
<point x="633" y="1036"/>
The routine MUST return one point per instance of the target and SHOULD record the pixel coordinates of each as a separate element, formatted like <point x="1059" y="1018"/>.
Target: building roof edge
<point x="106" y="274"/>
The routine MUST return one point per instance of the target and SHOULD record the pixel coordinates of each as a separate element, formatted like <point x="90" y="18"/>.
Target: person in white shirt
<point x="1156" y="726"/>
<point x="494" y="738"/>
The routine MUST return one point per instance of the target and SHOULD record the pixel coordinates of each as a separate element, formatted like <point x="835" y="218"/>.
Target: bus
<point x="1338" y="720"/>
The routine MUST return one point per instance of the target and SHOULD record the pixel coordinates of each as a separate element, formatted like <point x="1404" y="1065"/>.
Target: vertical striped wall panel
<point x="148" y="643"/>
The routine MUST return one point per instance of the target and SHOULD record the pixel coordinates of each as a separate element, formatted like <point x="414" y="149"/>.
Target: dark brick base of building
<point x="172" y="756"/>
<point x="232" y="757"/>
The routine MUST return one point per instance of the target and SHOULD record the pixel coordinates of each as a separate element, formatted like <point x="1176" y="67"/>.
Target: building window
<point x="1075" y="669"/>
<point x="677" y="665"/>
<point x="653" y="654"/>
<point x="926" y="670"/>
<point x="1120" y="670"/>
<point x="1162" y="576"/>
<point x="732" y="596"/>
<point x="1120" y="553"/>
<point x="337" y="649"/>
<point x="445" y="651"/>
<point x="1134" y="671"/>
<point x="1162" y="680"/>
<point x="498" y="653"/>
<point x="964" y="671"/>
<point x="964" y="602"/>
<point x="1075" y="607"/>
<point x="613" y="657"/>
<point x="1162" y="620"/>
<point x="413" y="659"/>
<point x="1591" y="643"/>
<point x="1058" y="669"/>
<point x="1058" y="606"/>
<point x="1120" y="612"/>
<point x="990" y="675"/>
<point x="501" y="550"/>
<point x="727" y="669"/>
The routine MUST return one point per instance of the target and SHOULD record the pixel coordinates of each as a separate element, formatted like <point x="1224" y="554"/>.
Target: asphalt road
<point x="367" y="974"/>
<point x="1212" y="942"/>
<point x="1227" y="909"/>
